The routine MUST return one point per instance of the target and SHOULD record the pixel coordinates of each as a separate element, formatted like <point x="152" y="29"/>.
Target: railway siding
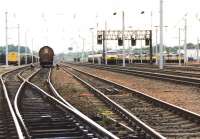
<point x="160" y="117"/>
<point x="171" y="76"/>
<point x="136" y="123"/>
<point x="84" y="100"/>
<point x="178" y="94"/>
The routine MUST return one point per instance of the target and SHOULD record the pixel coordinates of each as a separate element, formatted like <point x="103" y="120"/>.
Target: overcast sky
<point x="58" y="23"/>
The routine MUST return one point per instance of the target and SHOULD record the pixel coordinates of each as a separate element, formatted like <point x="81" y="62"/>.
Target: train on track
<point x="13" y="58"/>
<point x="114" y="58"/>
<point x="46" y="55"/>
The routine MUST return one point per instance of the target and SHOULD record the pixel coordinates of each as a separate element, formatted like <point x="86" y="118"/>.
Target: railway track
<point x="102" y="114"/>
<point x="193" y="68"/>
<point x="169" y="120"/>
<point x="181" y="71"/>
<point x="12" y="83"/>
<point x="175" y="71"/>
<point x="178" y="77"/>
<point x="142" y="130"/>
<point x="40" y="79"/>
<point x="44" y="116"/>
<point x="9" y="125"/>
<point x="113" y="123"/>
<point x="26" y="73"/>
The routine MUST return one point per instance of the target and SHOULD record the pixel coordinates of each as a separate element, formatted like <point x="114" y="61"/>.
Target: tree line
<point x="13" y="48"/>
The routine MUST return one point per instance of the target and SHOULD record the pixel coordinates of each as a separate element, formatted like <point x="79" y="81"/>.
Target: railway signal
<point x="133" y="41"/>
<point x="132" y="35"/>
<point x="120" y="41"/>
<point x="70" y="48"/>
<point x="147" y="41"/>
<point x="99" y="39"/>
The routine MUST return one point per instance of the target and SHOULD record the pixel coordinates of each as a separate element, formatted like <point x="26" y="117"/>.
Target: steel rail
<point x="186" y="112"/>
<point x="73" y="110"/>
<point x="121" y="110"/>
<point x="94" y="124"/>
<point x="165" y="71"/>
<point x="56" y="93"/>
<point x="67" y="103"/>
<point x="146" y="65"/>
<point x="105" y="132"/>
<point x="189" y="67"/>
<point x="163" y="76"/>
<point x="153" y="70"/>
<point x="169" y="105"/>
<point x="16" y="103"/>
<point x="15" y="120"/>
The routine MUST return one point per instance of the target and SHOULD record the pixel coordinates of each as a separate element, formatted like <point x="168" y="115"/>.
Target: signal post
<point x="121" y="36"/>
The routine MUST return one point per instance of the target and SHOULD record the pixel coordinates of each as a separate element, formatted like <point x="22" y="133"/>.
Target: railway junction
<point x="84" y="100"/>
<point x="140" y="79"/>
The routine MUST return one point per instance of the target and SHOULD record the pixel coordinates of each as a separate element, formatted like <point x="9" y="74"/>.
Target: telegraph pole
<point x="151" y="43"/>
<point x="26" y="47"/>
<point x="179" y="44"/>
<point x="129" y="48"/>
<point x="123" y="29"/>
<point x="83" y="48"/>
<point x="198" y="60"/>
<point x="161" y="35"/>
<point x="141" y="51"/>
<point x="18" y="27"/>
<point x="82" y="54"/>
<point x="105" y="43"/>
<point x="123" y="38"/>
<point x="129" y="53"/>
<point x="92" y="44"/>
<point x="6" y="33"/>
<point x="185" y="45"/>
<point x="156" y="53"/>
<point x="32" y="51"/>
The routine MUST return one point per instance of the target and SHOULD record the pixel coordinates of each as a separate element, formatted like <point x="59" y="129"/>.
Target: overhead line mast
<point x="161" y="66"/>
<point x="6" y="33"/>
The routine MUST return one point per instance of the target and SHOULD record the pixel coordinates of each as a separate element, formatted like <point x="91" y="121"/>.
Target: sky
<point x="62" y="23"/>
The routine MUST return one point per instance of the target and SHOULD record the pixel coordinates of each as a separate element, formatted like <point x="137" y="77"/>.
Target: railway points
<point x="59" y="126"/>
<point x="84" y="100"/>
<point x="100" y="109"/>
<point x="111" y="73"/>
<point x="10" y="84"/>
<point x="120" y="129"/>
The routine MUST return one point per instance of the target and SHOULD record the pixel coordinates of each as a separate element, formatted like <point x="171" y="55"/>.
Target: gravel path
<point x="181" y="95"/>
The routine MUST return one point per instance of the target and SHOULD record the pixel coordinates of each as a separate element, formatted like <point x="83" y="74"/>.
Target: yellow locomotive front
<point x="12" y="58"/>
